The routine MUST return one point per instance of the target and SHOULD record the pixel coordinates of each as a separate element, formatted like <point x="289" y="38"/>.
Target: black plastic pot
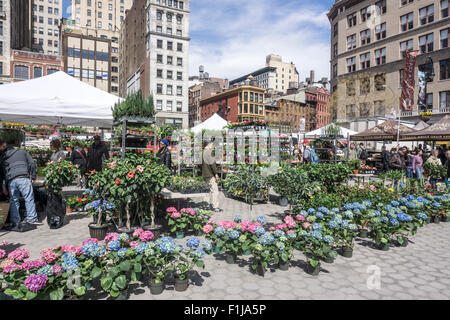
<point x="383" y="246"/>
<point x="444" y="219"/>
<point x="347" y="252"/>
<point x="123" y="295"/>
<point x="156" y="288"/>
<point x="260" y="271"/>
<point x="181" y="285"/>
<point x="283" y="202"/>
<point x="429" y="220"/>
<point x="363" y="233"/>
<point x="283" y="266"/>
<point x="98" y="232"/>
<point x="436" y="219"/>
<point x="230" y="258"/>
<point x="314" y="271"/>
<point x="405" y="242"/>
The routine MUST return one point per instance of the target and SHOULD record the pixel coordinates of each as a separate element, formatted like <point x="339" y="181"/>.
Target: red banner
<point x="407" y="99"/>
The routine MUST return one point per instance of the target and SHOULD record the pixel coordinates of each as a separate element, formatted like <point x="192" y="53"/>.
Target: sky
<point x="231" y="38"/>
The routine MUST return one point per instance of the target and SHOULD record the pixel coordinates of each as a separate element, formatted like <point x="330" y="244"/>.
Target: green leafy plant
<point x="60" y="174"/>
<point x="134" y="105"/>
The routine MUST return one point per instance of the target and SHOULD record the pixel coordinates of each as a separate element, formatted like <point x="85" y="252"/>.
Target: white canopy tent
<point x="215" y="122"/>
<point x="56" y="99"/>
<point x="322" y="131"/>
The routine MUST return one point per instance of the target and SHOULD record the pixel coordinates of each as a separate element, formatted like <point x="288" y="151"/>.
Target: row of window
<point x="49" y="1"/>
<point x="175" y="3"/>
<point x="50" y="21"/>
<point x="23" y="72"/>
<point x="50" y="43"/>
<point x="169" y="60"/>
<point x="88" y="73"/>
<point x="169" y="17"/>
<point x="169" y="31"/>
<point x="365" y="14"/>
<point x="99" y="3"/>
<point x="169" y="89"/>
<point x="169" y="74"/>
<point x="87" y="54"/>
<point x="169" y="106"/>
<point x="50" y="10"/>
<point x="50" y="32"/>
<point x="250" y="96"/>
<point x="159" y="45"/>
<point x="251" y="108"/>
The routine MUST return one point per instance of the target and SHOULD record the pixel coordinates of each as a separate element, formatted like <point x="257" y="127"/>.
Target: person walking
<point x="58" y="154"/>
<point x="306" y="151"/>
<point x="79" y="158"/>
<point x="447" y="164"/>
<point x="19" y="171"/>
<point x="352" y="154"/>
<point x="362" y="153"/>
<point x="385" y="156"/>
<point x="164" y="156"/>
<point x="409" y="164"/>
<point x="417" y="164"/>
<point x="97" y="154"/>
<point x="434" y="159"/>
<point x="397" y="162"/>
<point x="209" y="174"/>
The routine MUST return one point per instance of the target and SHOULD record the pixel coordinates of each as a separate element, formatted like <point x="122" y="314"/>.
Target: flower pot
<point x="85" y="149"/>
<point x="98" y="232"/>
<point x="283" y="202"/>
<point x="363" y="233"/>
<point x="436" y="219"/>
<point x="405" y="242"/>
<point x="156" y="230"/>
<point x="181" y="285"/>
<point x="69" y="210"/>
<point x="180" y="234"/>
<point x="230" y="258"/>
<point x="198" y="233"/>
<point x="383" y="246"/>
<point x="356" y="171"/>
<point x="429" y="220"/>
<point x="314" y="271"/>
<point x="347" y="252"/>
<point x="156" y="288"/>
<point x="444" y="219"/>
<point x="217" y="249"/>
<point x="123" y="295"/>
<point x="125" y="230"/>
<point x="260" y="271"/>
<point x="328" y="259"/>
<point x="247" y="253"/>
<point x="283" y="266"/>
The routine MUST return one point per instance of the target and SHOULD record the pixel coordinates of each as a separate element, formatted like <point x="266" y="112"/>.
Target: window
<point x="169" y="90"/>
<point x="159" y="15"/>
<point x="169" y="30"/>
<point x="159" y="58"/>
<point x="159" y="104"/>
<point x="159" y="44"/>
<point x="169" y="74"/>
<point x="159" y="88"/>
<point x="179" y="91"/>
<point x="381" y="5"/>
<point x="169" y="45"/>
<point x="179" y="33"/>
<point x="99" y="14"/>
<point x="37" y="72"/>
<point x="351" y="42"/>
<point x="110" y="16"/>
<point x="169" y="17"/>
<point x="350" y="85"/>
<point x="56" y="11"/>
<point x="50" y="21"/>
<point x="179" y="106"/>
<point x="365" y="61"/>
<point x="407" y="21"/>
<point x="99" y="4"/>
<point x="99" y="24"/>
<point x="444" y="69"/>
<point x="41" y="19"/>
<point x="179" y="62"/>
<point x="351" y="64"/>
<point x="335" y="71"/>
<point x="179" y="75"/>
<point x="380" y="82"/>
<point x="179" y="19"/>
<point x="405" y="2"/>
<point x="405" y="46"/>
<point x="158" y="29"/>
<point x="169" y="106"/>
<point x="444" y="9"/>
<point x="444" y="100"/>
<point x="380" y="56"/>
<point x="89" y="2"/>
<point x="401" y="76"/>
<point x="445" y="38"/>
<point x="379" y="108"/>
<point x="179" y="47"/>
<point x="181" y="5"/>
<point x="365" y="37"/>
<point x="365" y="14"/>
<point x="335" y="50"/>
<point x="429" y="101"/>
<point x="426" y="15"/>
<point x="380" y="31"/>
<point x="365" y="86"/>
<point x="41" y="30"/>
<point x="364" y="109"/>
<point x="351" y="20"/>
<point x="169" y="60"/>
<point x="102" y="56"/>
<point x="50" y="43"/>
<point x="50" y="10"/>
<point x="50" y="32"/>
<point x="122" y="9"/>
<point x="350" y="110"/>
<point x="426" y="43"/>
<point x="41" y="8"/>
<point x="110" y="7"/>
<point x="21" y="72"/>
<point x="335" y="29"/>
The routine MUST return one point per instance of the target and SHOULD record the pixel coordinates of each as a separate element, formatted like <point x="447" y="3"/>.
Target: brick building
<point x="323" y="111"/>
<point x="285" y="115"/>
<point x="29" y="65"/>
<point x="198" y="92"/>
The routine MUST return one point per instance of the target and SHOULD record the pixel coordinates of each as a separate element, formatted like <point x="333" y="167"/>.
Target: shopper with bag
<point x="79" y="159"/>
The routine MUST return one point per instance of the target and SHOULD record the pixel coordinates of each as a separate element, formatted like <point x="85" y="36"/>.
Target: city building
<point x="204" y="77"/>
<point x="198" y="92"/>
<point x="369" y="40"/>
<point x="276" y="76"/>
<point x="46" y="17"/>
<point x="323" y="115"/>
<point x="284" y="115"/>
<point x="102" y="19"/>
<point x="5" y="41"/>
<point x="241" y="103"/>
<point x="27" y="65"/>
<point x="87" y="58"/>
<point x="167" y="49"/>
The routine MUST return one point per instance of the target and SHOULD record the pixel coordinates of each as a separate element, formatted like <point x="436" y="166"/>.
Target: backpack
<point x="364" y="155"/>
<point x="314" y="157"/>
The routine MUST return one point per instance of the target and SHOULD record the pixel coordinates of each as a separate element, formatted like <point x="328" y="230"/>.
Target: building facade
<point x="284" y="115"/>
<point x="5" y="41"/>
<point x="87" y="58"/>
<point x="241" y="103"/>
<point x="102" y="19"/>
<point x="198" y="92"/>
<point x="323" y="112"/>
<point x="27" y="65"/>
<point x="369" y="39"/>
<point x="46" y="17"/>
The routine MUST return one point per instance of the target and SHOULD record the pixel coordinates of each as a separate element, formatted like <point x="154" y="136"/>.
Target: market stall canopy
<point x="56" y="99"/>
<point x="215" y="122"/>
<point x="440" y="131"/>
<point x="420" y="126"/>
<point x="386" y="131"/>
<point x="321" y="132"/>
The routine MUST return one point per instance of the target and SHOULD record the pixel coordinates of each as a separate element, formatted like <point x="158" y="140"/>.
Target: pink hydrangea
<point x="306" y="225"/>
<point x="111" y="236"/>
<point x="290" y="222"/>
<point x="300" y="218"/>
<point x="211" y="221"/>
<point x="57" y="269"/>
<point x="188" y="211"/>
<point x="19" y="255"/>
<point x="137" y="232"/>
<point x="372" y="188"/>
<point x="72" y="249"/>
<point x="11" y="268"/>
<point x="175" y="215"/>
<point x="133" y="244"/>
<point x="93" y="240"/>
<point x="228" y="224"/>
<point x="253" y="226"/>
<point x="272" y="229"/>
<point x="2" y="253"/>
<point x="49" y="255"/>
<point x="6" y="263"/>
<point x="4" y="243"/>
<point x="281" y="226"/>
<point x="33" y="264"/>
<point x="146" y="236"/>
<point x="36" y="282"/>
<point x="207" y="228"/>
<point x="171" y="209"/>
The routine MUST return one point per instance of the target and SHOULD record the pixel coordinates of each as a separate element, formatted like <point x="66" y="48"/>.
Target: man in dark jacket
<point x="385" y="157"/>
<point x="97" y="154"/>
<point x="397" y="161"/>
<point x="79" y="158"/>
<point x="19" y="170"/>
<point x="164" y="156"/>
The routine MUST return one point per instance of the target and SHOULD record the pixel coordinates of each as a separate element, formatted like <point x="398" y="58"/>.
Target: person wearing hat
<point x="306" y="151"/>
<point x="164" y="156"/>
<point x="97" y="154"/>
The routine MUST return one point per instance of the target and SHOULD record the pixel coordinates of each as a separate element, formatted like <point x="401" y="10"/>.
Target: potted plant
<point x="185" y="262"/>
<point x="314" y="249"/>
<point x="354" y="165"/>
<point x="178" y="221"/>
<point x="99" y="209"/>
<point x="71" y="204"/>
<point x="346" y="233"/>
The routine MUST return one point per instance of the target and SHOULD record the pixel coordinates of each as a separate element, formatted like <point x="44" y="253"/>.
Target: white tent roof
<point x="56" y="99"/>
<point x="215" y="122"/>
<point x="321" y="131"/>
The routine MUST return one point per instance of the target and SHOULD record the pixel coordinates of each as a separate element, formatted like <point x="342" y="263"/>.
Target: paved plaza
<point x="419" y="271"/>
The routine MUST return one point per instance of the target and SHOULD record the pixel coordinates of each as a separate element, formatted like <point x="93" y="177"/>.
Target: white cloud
<point x="235" y="39"/>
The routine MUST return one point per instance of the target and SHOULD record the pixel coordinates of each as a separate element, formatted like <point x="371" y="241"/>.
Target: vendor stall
<point x="440" y="131"/>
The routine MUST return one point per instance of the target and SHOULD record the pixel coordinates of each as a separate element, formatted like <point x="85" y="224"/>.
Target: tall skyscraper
<point x="46" y="17"/>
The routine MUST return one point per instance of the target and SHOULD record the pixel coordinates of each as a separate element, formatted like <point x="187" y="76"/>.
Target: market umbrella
<point x="436" y="132"/>
<point x="386" y="131"/>
<point x="420" y="126"/>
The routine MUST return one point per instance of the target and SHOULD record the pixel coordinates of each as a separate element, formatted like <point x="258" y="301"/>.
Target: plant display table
<point x="170" y="195"/>
<point x="363" y="176"/>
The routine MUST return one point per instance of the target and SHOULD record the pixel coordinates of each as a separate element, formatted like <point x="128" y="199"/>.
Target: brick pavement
<point x="419" y="271"/>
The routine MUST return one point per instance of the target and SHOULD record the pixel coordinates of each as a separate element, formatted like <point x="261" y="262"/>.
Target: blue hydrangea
<point x="317" y="226"/>
<point x="410" y="197"/>
<point x="113" y="245"/>
<point x="122" y="252"/>
<point x="383" y="219"/>
<point x="403" y="200"/>
<point x="199" y="253"/>
<point x="219" y="231"/>
<point x="311" y="211"/>
<point x="348" y="214"/>
<point x="348" y="206"/>
<point x="292" y="235"/>
<point x="194" y="242"/>
<point x="278" y="233"/>
<point x="46" y="270"/>
<point x="367" y="203"/>
<point x="323" y="210"/>
<point x="394" y="222"/>
<point x="280" y="245"/>
<point x="377" y="213"/>
<point x="436" y="205"/>
<point x="206" y="245"/>
<point x="151" y="251"/>
<point x="270" y="238"/>
<point x="166" y="244"/>
<point x="261" y="219"/>
<point x="420" y="199"/>
<point x="388" y="207"/>
<point x="67" y="255"/>
<point x="333" y="224"/>
<point x="378" y="220"/>
<point x="316" y="235"/>
<point x="98" y="251"/>
<point x="395" y="203"/>
<point x="69" y="264"/>
<point x="302" y="233"/>
<point x="233" y="234"/>
<point x="86" y="249"/>
<point x="422" y="216"/>
<point x="319" y="215"/>
<point x="344" y="224"/>
<point x="352" y="227"/>
<point x="140" y="248"/>
<point x="123" y="237"/>
<point x="328" y="239"/>
<point x="402" y="217"/>
<point x="259" y="231"/>
<point x="263" y="240"/>
<point x="335" y="210"/>
<point x="304" y="213"/>
<point x="238" y="219"/>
